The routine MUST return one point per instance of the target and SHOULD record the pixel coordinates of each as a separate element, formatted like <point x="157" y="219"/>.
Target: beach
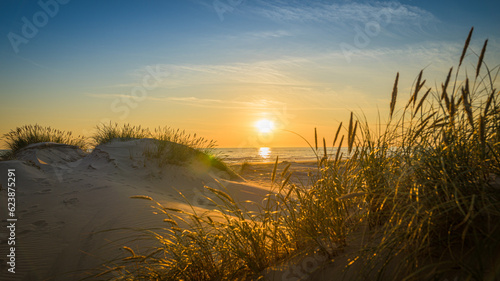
<point x="74" y="212"/>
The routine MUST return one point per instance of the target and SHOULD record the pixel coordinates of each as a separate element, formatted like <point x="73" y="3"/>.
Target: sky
<point x="217" y="67"/>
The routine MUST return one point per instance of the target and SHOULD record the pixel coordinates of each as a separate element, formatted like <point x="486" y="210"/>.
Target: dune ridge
<point x="74" y="209"/>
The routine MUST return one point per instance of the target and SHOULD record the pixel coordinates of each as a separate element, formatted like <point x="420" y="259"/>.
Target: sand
<point x="74" y="210"/>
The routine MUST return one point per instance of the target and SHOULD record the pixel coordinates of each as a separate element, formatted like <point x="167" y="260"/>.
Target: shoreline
<point x="261" y="173"/>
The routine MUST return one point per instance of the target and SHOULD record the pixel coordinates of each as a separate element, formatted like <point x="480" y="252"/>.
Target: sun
<point x="264" y="126"/>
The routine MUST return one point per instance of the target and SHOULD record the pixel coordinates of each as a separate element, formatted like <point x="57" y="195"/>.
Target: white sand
<point x="66" y="200"/>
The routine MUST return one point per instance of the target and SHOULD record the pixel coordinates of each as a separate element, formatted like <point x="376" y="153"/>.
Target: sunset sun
<point x="264" y="126"/>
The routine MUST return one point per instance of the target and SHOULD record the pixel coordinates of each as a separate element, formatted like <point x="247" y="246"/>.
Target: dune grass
<point x="108" y="132"/>
<point x="177" y="147"/>
<point x="30" y="134"/>
<point x="171" y="146"/>
<point x="422" y="190"/>
<point x="428" y="180"/>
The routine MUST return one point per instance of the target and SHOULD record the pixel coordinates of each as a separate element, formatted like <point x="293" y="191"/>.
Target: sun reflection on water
<point x="265" y="152"/>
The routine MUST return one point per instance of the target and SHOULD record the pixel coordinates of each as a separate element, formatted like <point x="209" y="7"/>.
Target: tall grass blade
<point x="349" y="132"/>
<point x="481" y="57"/>
<point x="418" y="86"/>
<point x="316" y="139"/>
<point x="337" y="155"/>
<point x="482" y="135"/>
<point x="466" y="46"/>
<point x="394" y="95"/>
<point x="422" y="100"/>
<point x="324" y="148"/>
<point x="489" y="101"/>
<point x="467" y="105"/>
<point x="273" y="176"/>
<point x="352" y="138"/>
<point x="444" y="95"/>
<point x="337" y="134"/>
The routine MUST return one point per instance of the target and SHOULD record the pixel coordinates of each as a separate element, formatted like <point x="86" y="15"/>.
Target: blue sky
<point x="216" y="67"/>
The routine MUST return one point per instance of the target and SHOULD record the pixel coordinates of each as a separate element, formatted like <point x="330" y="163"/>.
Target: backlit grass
<point x="30" y="134"/>
<point x="421" y="190"/>
<point x="171" y="146"/>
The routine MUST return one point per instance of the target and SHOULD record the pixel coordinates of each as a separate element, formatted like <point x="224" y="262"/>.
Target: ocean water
<point x="268" y="154"/>
<point x="265" y="154"/>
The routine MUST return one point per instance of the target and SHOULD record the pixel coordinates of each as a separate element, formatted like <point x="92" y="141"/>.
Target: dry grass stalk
<point x="481" y="57"/>
<point x="489" y="101"/>
<point x="422" y="100"/>
<point x="349" y="133"/>
<point x="467" y="105"/>
<point x="394" y="95"/>
<point x="337" y="134"/>
<point x="418" y="86"/>
<point x="422" y="182"/>
<point x="466" y="46"/>
<point x="316" y="139"/>
<point x="444" y="95"/>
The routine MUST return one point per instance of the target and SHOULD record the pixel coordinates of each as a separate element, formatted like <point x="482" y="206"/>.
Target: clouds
<point x="224" y="104"/>
<point x="341" y="12"/>
<point x="274" y="72"/>
<point x="270" y="34"/>
<point x="192" y="101"/>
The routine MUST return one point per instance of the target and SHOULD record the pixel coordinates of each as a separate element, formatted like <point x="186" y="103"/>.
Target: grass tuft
<point x="30" y="134"/>
<point x="108" y="132"/>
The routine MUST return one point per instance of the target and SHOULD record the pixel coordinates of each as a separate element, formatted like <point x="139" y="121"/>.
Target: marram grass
<point x="107" y="132"/>
<point x="30" y="134"/>
<point x="422" y="191"/>
<point x="171" y="146"/>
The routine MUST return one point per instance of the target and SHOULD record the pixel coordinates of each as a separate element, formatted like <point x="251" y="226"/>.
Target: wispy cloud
<point x="315" y="11"/>
<point x="270" y="72"/>
<point x="223" y="104"/>
<point x="270" y="34"/>
<point x="314" y="82"/>
<point x="202" y="102"/>
<point x="107" y="96"/>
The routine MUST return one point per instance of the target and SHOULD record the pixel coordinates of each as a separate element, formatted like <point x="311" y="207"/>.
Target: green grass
<point x="418" y="190"/>
<point x="30" y="134"/>
<point x="177" y="147"/>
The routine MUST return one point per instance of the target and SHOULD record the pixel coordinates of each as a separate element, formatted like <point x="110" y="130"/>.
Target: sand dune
<point x="66" y="201"/>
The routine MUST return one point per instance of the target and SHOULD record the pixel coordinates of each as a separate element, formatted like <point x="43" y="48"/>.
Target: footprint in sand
<point x="36" y="226"/>
<point x="3" y="237"/>
<point x="71" y="201"/>
<point x="40" y="223"/>
<point x="44" y="191"/>
<point x="71" y="192"/>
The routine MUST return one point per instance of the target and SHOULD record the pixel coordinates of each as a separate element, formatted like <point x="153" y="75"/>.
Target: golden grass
<point x="30" y="134"/>
<point x="420" y="191"/>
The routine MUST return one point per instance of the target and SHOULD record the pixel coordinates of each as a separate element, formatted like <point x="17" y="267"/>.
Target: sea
<point x="269" y="154"/>
<point x="232" y="155"/>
